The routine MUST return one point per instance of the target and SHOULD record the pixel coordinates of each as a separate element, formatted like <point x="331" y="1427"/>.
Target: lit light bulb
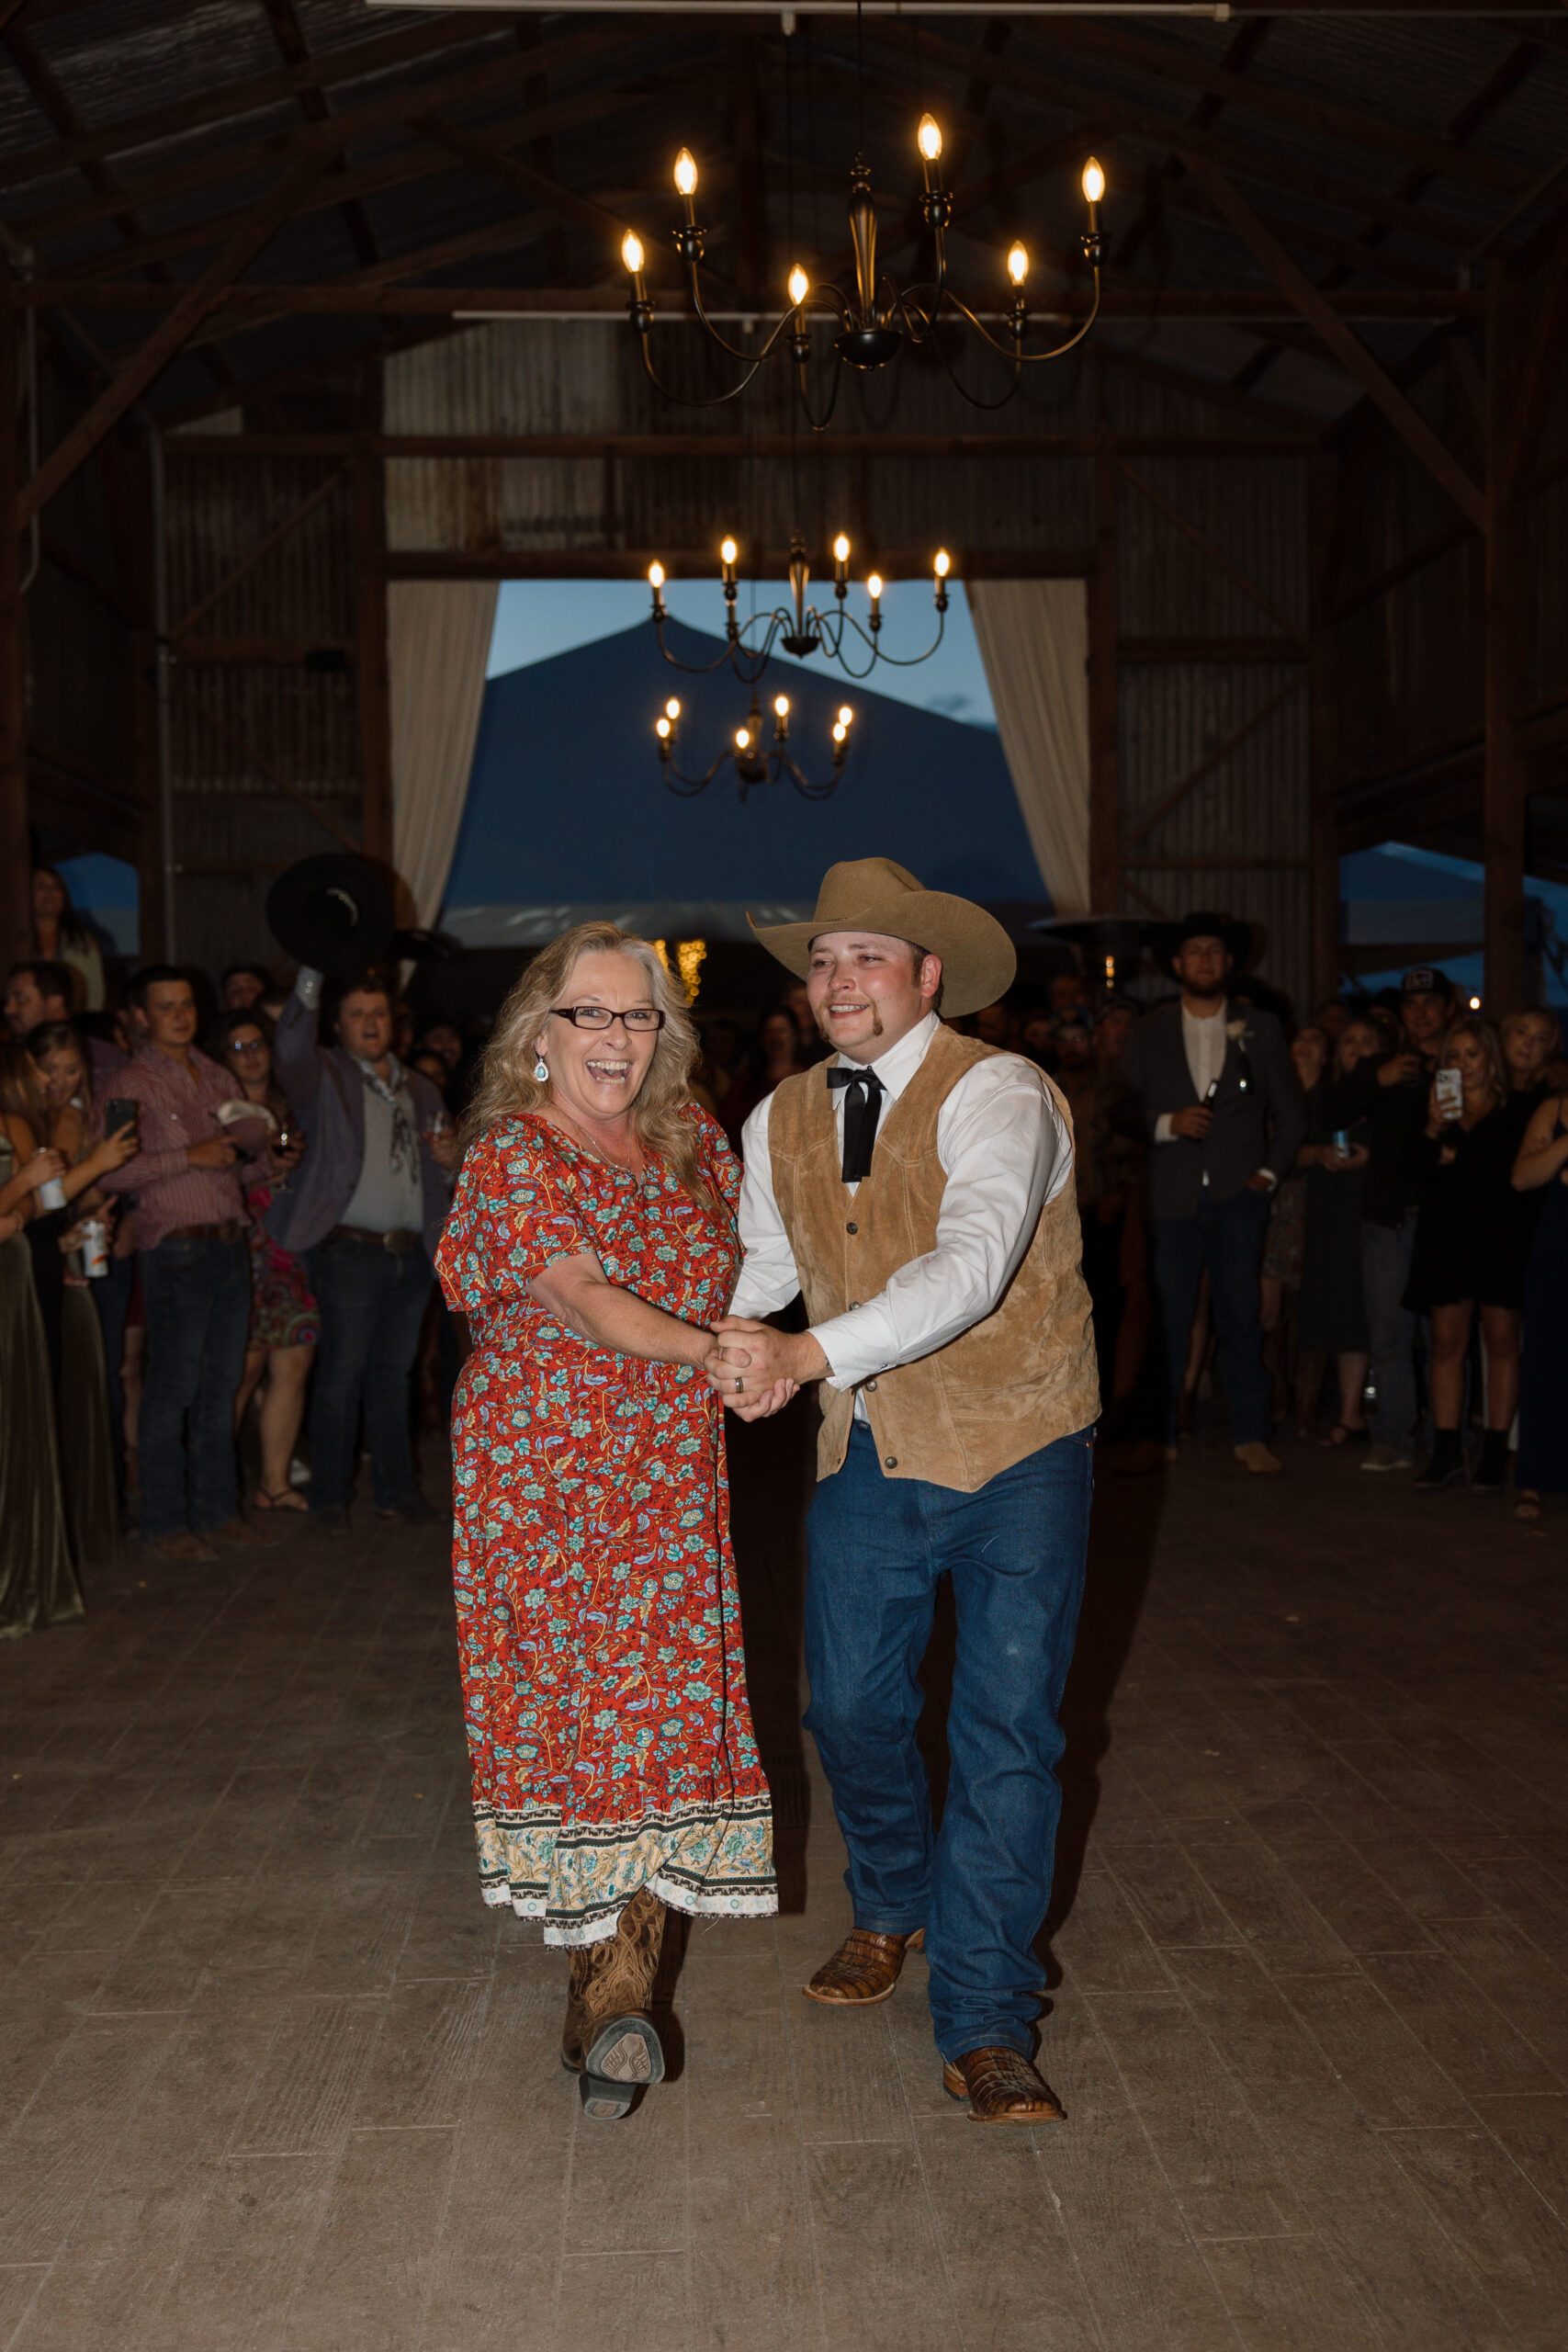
<point x="874" y="586"/>
<point x="631" y="252"/>
<point x="930" y="138"/>
<point x="661" y="729"/>
<point x="671" y="709"/>
<point x="840" y="732"/>
<point x="846" y="716"/>
<point x="781" y="704"/>
<point x="840" y="549"/>
<point x="1017" y="264"/>
<point x="943" y="563"/>
<point x="1093" y="181"/>
<point x="742" y="739"/>
<point x="686" y="172"/>
<point x="800" y="286"/>
<point x="728" y="551"/>
<point x="1475" y="1004"/>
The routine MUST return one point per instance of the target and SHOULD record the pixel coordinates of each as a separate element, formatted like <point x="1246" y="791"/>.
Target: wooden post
<point x="374" y="683"/>
<point x="1507" y="609"/>
<point x="1104" y="812"/>
<point x="1325" y="742"/>
<point x="15" y="847"/>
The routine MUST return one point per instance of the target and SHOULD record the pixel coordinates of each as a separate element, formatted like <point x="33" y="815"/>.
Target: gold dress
<point x="37" y="1583"/>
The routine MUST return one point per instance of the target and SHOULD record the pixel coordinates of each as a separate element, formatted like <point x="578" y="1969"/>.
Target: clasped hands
<point x="757" y="1370"/>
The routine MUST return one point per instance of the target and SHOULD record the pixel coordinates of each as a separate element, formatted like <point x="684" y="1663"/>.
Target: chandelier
<point x="755" y="763"/>
<point x="800" y="628"/>
<point x="879" y="320"/>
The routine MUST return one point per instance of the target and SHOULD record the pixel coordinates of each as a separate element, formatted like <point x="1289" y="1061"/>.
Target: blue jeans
<point x="981" y="1886"/>
<point x="111" y="1296"/>
<point x="1227" y="1238"/>
<point x="372" y="1302"/>
<point x="1390" y="1327"/>
<point x="198" y="1311"/>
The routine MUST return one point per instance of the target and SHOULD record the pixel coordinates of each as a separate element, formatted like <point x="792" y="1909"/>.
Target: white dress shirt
<point x="1005" y="1150"/>
<point x="1205" y="1046"/>
<point x="1204" y="1043"/>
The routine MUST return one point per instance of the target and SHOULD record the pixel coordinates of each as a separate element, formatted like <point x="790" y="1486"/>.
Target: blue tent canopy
<point x="566" y="816"/>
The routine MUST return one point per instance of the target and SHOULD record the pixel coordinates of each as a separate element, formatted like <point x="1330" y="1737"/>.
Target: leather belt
<point x="398" y="1242"/>
<point x="230" y="1230"/>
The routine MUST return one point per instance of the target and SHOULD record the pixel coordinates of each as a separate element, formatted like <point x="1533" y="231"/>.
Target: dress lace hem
<point x="707" y="1860"/>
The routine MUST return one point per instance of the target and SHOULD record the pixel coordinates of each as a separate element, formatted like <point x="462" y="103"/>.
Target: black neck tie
<point x="863" y="1107"/>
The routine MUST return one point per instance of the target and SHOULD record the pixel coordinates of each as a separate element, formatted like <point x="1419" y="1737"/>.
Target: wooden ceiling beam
<point x="1238" y="55"/>
<point x="1193" y="206"/>
<point x="51" y="98"/>
<point x="355" y="59"/>
<point x="293" y="49"/>
<point x="1434" y="156"/>
<point x="1056" y="90"/>
<point x="484" y="155"/>
<point x="260" y="226"/>
<point x="265" y="154"/>
<point x="1321" y="313"/>
<point x="360" y="359"/>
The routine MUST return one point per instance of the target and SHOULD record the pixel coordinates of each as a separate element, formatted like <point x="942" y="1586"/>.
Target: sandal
<point x="279" y="1498"/>
<point x="1342" y="1433"/>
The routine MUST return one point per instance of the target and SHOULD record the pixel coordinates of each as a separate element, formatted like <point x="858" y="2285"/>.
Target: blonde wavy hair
<point x="506" y="1084"/>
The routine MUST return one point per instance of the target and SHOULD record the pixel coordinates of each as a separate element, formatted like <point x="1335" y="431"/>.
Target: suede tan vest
<point x="1013" y="1382"/>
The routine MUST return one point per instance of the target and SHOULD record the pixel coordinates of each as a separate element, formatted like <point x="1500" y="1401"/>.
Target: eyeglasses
<point x="640" y="1021"/>
<point x="247" y="1045"/>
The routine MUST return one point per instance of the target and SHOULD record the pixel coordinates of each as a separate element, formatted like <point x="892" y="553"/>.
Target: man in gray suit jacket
<point x="1226" y="1116"/>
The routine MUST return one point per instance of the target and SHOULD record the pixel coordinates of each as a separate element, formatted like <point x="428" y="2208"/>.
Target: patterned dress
<point x="598" y="1625"/>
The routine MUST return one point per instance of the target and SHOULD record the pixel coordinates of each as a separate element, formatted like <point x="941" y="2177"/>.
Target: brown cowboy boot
<point x="609" y="2039"/>
<point x="1001" y="2087"/>
<point x="864" y="1968"/>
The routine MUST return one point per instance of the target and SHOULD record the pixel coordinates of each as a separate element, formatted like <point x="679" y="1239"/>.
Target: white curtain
<point x="438" y="635"/>
<point x="1033" y="639"/>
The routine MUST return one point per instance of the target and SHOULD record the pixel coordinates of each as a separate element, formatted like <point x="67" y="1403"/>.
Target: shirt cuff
<point x="856" y="1347"/>
<point x="1164" y="1132"/>
<point x="308" y="987"/>
<point x="1269" y="1177"/>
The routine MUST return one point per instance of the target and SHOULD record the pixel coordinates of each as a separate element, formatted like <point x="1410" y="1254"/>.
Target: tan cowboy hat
<point x="978" y="962"/>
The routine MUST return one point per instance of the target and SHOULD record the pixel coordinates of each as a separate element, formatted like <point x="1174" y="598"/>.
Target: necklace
<point x="595" y="1150"/>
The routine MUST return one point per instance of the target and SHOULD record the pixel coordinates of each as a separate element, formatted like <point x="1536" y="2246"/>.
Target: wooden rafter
<point x="138" y="372"/>
<point x="1261" y="161"/>
<point x="1156" y="195"/>
<point x="289" y="36"/>
<point x="1321" y="313"/>
<point x="262" y="548"/>
<point x="487" y="157"/>
<point x="1217" y="557"/>
<point x="240" y="161"/>
<point x="1206" y="767"/>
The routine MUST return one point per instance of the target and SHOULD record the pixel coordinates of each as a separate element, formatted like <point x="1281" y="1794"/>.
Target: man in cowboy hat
<point x="1224" y="1109"/>
<point x="919" y="1192"/>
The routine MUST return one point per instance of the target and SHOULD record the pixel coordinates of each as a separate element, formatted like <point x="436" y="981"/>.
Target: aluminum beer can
<point x="95" y="1249"/>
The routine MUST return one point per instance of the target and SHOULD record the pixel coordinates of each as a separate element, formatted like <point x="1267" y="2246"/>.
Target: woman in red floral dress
<point x="591" y="1243"/>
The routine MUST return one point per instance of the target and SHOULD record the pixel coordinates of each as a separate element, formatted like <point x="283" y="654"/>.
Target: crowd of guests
<point x="219" y="1252"/>
<point x="211" y="1253"/>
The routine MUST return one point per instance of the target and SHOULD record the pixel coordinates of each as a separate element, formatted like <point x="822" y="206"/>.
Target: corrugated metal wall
<point x="1174" y="717"/>
<point x="244" y="728"/>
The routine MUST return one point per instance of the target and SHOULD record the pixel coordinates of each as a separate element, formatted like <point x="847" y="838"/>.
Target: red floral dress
<point x="598" y="1625"/>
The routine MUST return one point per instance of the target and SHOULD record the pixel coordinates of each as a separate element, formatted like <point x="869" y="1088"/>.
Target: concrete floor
<point x="271" y="2078"/>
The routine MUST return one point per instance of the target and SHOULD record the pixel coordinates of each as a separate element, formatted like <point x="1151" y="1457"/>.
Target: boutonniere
<point x="1238" y="1029"/>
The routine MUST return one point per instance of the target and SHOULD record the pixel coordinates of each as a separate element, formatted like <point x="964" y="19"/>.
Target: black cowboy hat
<point x="333" y="912"/>
<point x="1167" y="939"/>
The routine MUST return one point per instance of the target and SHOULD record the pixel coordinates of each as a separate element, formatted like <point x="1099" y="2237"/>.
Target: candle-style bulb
<point x="742" y="738"/>
<point x="781" y="704"/>
<point x="1093" y="180"/>
<point x="840" y="732"/>
<point x="874" y="586"/>
<point x="671" y="709"/>
<point x="1018" y="263"/>
<point x="930" y="138"/>
<point x="846" y="716"/>
<point x="631" y="252"/>
<point x="661" y="729"/>
<point x="686" y="172"/>
<point x="656" y="576"/>
<point x="840" y="549"/>
<point x="943" y="563"/>
<point x="800" y="286"/>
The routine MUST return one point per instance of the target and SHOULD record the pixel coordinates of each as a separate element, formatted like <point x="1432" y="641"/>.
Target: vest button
<point x="851" y="1226"/>
<point x="871" y="1383"/>
<point x="890" y="1462"/>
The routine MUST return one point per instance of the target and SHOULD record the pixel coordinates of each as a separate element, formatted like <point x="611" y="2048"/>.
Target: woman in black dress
<point x="1332" y="1315"/>
<point x="1541" y="1169"/>
<point x="1460" y="1168"/>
